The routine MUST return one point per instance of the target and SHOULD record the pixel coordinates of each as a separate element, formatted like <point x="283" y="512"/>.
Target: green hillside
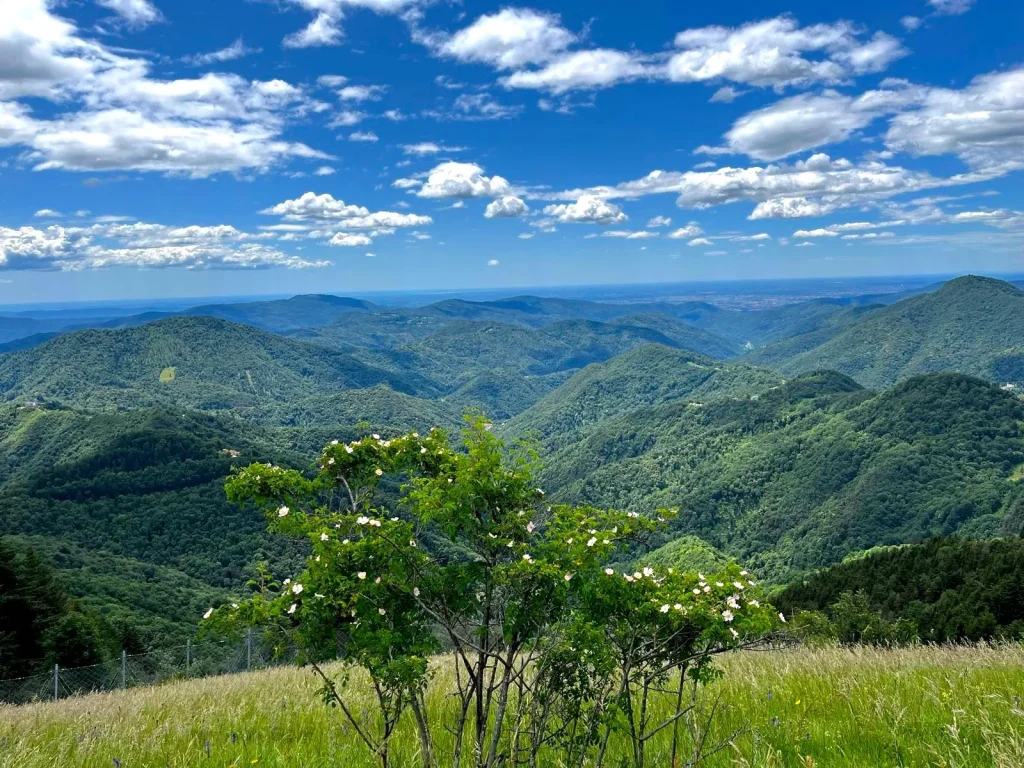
<point x="806" y="473"/>
<point x="951" y="589"/>
<point x="647" y="375"/>
<point x="131" y="505"/>
<point x="972" y="325"/>
<point x="217" y="365"/>
<point x="380" y="407"/>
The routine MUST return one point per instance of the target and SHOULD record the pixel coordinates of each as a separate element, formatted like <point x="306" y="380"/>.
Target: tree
<point x="551" y="649"/>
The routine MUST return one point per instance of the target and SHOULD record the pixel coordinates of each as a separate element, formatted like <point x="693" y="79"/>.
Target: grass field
<point x="829" y="707"/>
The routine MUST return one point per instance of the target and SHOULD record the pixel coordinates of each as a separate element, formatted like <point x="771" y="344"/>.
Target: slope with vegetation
<point x="972" y="325"/>
<point x="802" y="475"/>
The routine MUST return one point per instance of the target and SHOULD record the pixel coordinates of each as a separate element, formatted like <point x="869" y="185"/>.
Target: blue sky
<point x="153" y="148"/>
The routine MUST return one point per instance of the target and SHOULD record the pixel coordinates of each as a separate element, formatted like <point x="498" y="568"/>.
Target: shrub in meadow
<point x="552" y="649"/>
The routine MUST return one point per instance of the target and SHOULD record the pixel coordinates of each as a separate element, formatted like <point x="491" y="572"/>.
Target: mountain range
<point x="788" y="438"/>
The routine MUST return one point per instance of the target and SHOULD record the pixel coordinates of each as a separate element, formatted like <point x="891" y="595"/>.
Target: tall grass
<point x="945" y="706"/>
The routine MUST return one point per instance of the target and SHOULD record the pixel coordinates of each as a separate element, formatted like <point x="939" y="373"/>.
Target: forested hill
<point x="971" y="325"/>
<point x="804" y="474"/>
<point x="647" y="375"/>
<point x="200" y="362"/>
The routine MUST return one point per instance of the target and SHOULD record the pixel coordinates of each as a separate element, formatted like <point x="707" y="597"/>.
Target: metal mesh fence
<point x="179" y="662"/>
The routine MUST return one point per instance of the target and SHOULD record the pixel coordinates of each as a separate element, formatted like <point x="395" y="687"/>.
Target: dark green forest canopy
<point x="803" y="474"/>
<point x="973" y="325"/>
<point x="952" y="589"/>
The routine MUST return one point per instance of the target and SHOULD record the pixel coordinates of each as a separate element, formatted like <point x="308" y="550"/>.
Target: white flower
<point x="530" y="526"/>
<point x="415" y="591"/>
<point x="208" y="613"/>
<point x="540" y="491"/>
<point x="737" y="584"/>
<point x="727" y="615"/>
<point x="381" y="611"/>
<point x="638" y="575"/>
<point x="376" y="437"/>
<point x="664" y="608"/>
<point x="287" y="582"/>
<point x="318" y="595"/>
<point x="754" y="603"/>
<point x="235" y="606"/>
<point x="349" y="449"/>
<point x="743" y="573"/>
<point x="527" y="557"/>
<point x="678" y="606"/>
<point x="707" y="589"/>
<point x="732" y="603"/>
<point x="510" y="544"/>
<point x="297" y="589"/>
<point x="377" y="580"/>
<point x="293" y="607"/>
<point x="394" y="519"/>
<point x="569" y="540"/>
<point x="334" y="442"/>
<point x="451" y="480"/>
<point x="591" y="541"/>
<point x="361" y="575"/>
<point x="735" y="634"/>
<point x="719" y="584"/>
<point x="415" y="434"/>
<point x="412" y="542"/>
<point x="609" y="571"/>
<point x="362" y="520"/>
<point x="378" y="472"/>
<point x="782" y="618"/>
<point x="628" y="578"/>
<point x="568" y="576"/>
<point x="324" y="537"/>
<point x="344" y="541"/>
<point x="696" y="591"/>
<point x="375" y="523"/>
<point x="423" y="450"/>
<point x="283" y="512"/>
<point x="648" y="571"/>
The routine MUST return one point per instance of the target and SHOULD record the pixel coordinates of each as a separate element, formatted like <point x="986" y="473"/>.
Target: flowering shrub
<point x="552" y="648"/>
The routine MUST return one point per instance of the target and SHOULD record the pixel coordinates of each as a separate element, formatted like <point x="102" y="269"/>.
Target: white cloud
<point x="751" y="238"/>
<point x="983" y="123"/>
<point x="597" y="68"/>
<point x="113" y="115"/>
<point x="642" y="234"/>
<point x="311" y="206"/>
<point x="236" y="50"/>
<point x="779" y="52"/>
<point x="588" y="209"/>
<point x="698" y="241"/>
<point x="690" y="230"/>
<point x="346" y="239"/>
<point x="134" y="13"/>
<point x="324" y="170"/>
<point x="424" y="148"/>
<point x="452" y="179"/>
<point x="911" y="23"/>
<point x="362" y="136"/>
<point x="509" y="39"/>
<point x="951" y="7"/>
<point x="323" y="30"/>
<point x="805" y="245"/>
<point x="347" y="118"/>
<point x="508" y="206"/>
<point x="479" y="106"/>
<point x="395" y="115"/>
<point x="493" y="263"/>
<point x="47" y="213"/>
<point x="526" y="235"/>
<point x="725" y="95"/>
<point x="806" y="121"/>
<point x="140" y="245"/>
<point x="659" y="221"/>
<point x="406" y="183"/>
<point x="361" y="92"/>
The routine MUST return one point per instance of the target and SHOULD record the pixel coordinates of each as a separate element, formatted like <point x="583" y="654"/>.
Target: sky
<point x="161" y="148"/>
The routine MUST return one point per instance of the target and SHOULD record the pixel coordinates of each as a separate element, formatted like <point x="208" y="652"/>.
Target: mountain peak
<point x="977" y="284"/>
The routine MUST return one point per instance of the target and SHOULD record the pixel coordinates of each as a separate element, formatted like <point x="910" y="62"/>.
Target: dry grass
<point x="829" y="707"/>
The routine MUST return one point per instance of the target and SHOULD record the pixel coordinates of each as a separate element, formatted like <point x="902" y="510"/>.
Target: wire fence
<point x="179" y="662"/>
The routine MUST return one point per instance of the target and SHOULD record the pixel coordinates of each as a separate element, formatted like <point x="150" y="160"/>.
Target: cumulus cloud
<point x="509" y="39"/>
<point x="505" y="207"/>
<point x="698" y="241"/>
<point x="115" y="115"/>
<point x="807" y="121"/>
<point x="325" y="29"/>
<point x="361" y="92"/>
<point x="779" y="52"/>
<point x="690" y="230"/>
<point x="659" y="221"/>
<point x="982" y="123"/>
<point x="588" y="209"/>
<point x="141" y="245"/>
<point x="346" y="239"/>
<point x="47" y="213"/>
<point x="725" y="95"/>
<point x="311" y="206"/>
<point x="363" y="136"/>
<point x="597" y="68"/>
<point x="493" y="263"/>
<point x="452" y="179"/>
<point x="951" y="7"/>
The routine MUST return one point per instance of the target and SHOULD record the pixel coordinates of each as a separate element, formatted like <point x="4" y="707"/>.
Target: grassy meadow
<point x="942" y="706"/>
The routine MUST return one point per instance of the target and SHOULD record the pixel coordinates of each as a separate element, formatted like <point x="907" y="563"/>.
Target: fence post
<point x="248" y="650"/>
<point x="124" y="668"/>
<point x="188" y="657"/>
<point x="56" y="681"/>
